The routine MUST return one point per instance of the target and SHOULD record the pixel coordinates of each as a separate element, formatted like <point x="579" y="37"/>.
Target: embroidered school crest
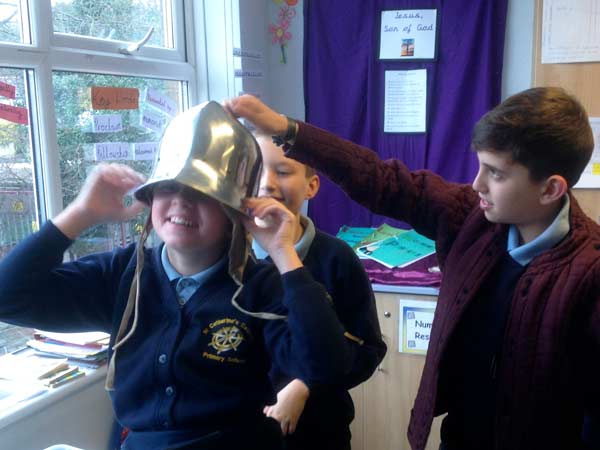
<point x="226" y="338"/>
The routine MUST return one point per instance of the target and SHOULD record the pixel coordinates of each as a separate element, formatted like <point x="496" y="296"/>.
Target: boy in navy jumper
<point x="319" y="417"/>
<point x="514" y="353"/>
<point x="192" y="351"/>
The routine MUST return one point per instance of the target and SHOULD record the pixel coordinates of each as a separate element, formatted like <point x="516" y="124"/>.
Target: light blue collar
<point x="187" y="286"/>
<point x="302" y="246"/>
<point x="551" y="236"/>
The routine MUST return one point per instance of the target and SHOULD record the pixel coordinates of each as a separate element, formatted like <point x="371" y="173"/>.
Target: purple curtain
<point x="344" y="89"/>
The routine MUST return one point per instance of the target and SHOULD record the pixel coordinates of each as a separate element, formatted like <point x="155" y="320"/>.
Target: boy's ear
<point x="554" y="188"/>
<point x="312" y="186"/>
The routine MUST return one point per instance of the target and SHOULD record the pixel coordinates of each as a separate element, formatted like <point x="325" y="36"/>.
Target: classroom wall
<point x="283" y="84"/>
<point x="85" y="417"/>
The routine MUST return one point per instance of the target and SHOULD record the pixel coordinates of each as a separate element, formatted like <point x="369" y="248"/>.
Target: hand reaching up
<point x="255" y="111"/>
<point x="101" y="200"/>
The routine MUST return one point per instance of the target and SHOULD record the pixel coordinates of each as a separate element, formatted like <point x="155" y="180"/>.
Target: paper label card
<point x="590" y="177"/>
<point x="107" y="123"/>
<point x="405" y="109"/>
<point x="416" y="319"/>
<point x="112" y="151"/>
<point x="161" y="101"/>
<point x="115" y="98"/>
<point x="15" y="114"/>
<point x="7" y="90"/>
<point x="240" y="73"/>
<point x="408" y="34"/>
<point x="153" y="121"/>
<point x="145" y="151"/>
<point x="245" y="53"/>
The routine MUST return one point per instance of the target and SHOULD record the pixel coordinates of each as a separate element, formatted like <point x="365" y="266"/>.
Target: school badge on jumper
<point x="226" y="338"/>
<point x="227" y="334"/>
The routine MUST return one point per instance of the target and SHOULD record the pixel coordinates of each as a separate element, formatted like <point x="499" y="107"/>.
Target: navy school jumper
<point x="187" y="371"/>
<point x="325" y="420"/>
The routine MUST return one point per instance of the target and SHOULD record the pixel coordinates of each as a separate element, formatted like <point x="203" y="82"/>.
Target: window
<point x="61" y="62"/>
<point x="14" y="26"/>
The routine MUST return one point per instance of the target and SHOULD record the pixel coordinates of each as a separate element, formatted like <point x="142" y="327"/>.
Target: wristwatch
<point x="290" y="134"/>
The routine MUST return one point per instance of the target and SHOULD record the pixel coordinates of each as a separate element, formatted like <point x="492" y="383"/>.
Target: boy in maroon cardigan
<point x="514" y="354"/>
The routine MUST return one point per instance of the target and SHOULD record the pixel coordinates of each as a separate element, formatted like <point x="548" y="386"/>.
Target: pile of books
<point x="390" y="246"/>
<point x="87" y="350"/>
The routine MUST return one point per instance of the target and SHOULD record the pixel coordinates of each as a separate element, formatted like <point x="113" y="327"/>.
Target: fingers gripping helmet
<point x="207" y="149"/>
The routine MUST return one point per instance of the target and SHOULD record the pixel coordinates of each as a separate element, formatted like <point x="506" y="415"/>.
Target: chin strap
<point x="239" y="250"/>
<point x="132" y="306"/>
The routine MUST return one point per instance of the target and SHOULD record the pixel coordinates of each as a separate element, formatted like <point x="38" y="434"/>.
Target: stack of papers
<point x="389" y="246"/>
<point x="85" y="349"/>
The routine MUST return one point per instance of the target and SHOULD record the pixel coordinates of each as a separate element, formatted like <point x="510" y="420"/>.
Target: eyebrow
<point x="490" y="166"/>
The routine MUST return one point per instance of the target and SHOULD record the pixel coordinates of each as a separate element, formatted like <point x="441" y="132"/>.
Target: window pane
<point x="18" y="210"/>
<point x="122" y="20"/>
<point x="12" y="28"/>
<point x="88" y="134"/>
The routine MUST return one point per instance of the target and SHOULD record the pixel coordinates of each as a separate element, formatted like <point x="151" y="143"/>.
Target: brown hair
<point x="545" y="129"/>
<point x="308" y="170"/>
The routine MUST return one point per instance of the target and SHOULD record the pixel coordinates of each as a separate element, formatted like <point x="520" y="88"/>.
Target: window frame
<point x="51" y="52"/>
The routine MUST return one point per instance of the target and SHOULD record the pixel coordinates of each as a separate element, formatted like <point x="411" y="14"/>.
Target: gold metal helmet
<point x="208" y="150"/>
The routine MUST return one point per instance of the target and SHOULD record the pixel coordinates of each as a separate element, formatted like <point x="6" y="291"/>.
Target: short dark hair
<point x="309" y="171"/>
<point x="545" y="129"/>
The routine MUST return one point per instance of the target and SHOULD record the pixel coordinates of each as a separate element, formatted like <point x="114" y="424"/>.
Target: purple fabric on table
<point x="344" y="89"/>
<point x="416" y="274"/>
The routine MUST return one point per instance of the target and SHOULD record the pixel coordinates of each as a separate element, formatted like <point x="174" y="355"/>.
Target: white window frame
<point x="50" y="52"/>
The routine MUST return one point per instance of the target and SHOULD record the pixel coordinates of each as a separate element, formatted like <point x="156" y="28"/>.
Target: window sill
<point x="49" y="397"/>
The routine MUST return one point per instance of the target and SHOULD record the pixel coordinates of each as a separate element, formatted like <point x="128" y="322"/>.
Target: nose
<point x="267" y="181"/>
<point x="478" y="184"/>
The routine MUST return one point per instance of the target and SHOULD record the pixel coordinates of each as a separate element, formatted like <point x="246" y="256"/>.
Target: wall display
<point x="7" y="90"/>
<point x="161" y="101"/>
<point x="414" y="325"/>
<point x="112" y="151"/>
<point x="153" y="121"/>
<point x="405" y="109"/>
<point x="145" y="151"/>
<point x="590" y="178"/>
<point x="570" y="31"/>
<point x="241" y="73"/>
<point x="115" y="98"/>
<point x="279" y="31"/>
<point x="15" y="114"/>
<point x="106" y="123"/>
<point x="408" y="34"/>
<point x="249" y="54"/>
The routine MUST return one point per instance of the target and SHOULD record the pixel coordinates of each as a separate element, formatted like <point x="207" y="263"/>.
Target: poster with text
<point x="416" y="317"/>
<point x="408" y="34"/>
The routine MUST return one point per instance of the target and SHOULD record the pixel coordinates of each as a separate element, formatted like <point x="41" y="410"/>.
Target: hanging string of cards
<point x="156" y="114"/>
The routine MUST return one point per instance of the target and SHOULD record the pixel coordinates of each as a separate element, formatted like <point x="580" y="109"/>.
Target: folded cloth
<point x="415" y="274"/>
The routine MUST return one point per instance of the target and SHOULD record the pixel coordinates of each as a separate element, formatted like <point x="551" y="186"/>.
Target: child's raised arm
<point x="101" y="200"/>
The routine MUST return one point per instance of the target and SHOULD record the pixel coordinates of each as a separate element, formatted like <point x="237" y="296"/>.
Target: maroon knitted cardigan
<point x="549" y="373"/>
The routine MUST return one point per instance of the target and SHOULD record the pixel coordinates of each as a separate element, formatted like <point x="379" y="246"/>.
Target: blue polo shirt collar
<point x="302" y="246"/>
<point x="187" y="286"/>
<point x="558" y="229"/>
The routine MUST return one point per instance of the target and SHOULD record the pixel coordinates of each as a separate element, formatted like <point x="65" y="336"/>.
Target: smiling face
<point x="285" y="179"/>
<point x="192" y="225"/>
<point x="508" y="195"/>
